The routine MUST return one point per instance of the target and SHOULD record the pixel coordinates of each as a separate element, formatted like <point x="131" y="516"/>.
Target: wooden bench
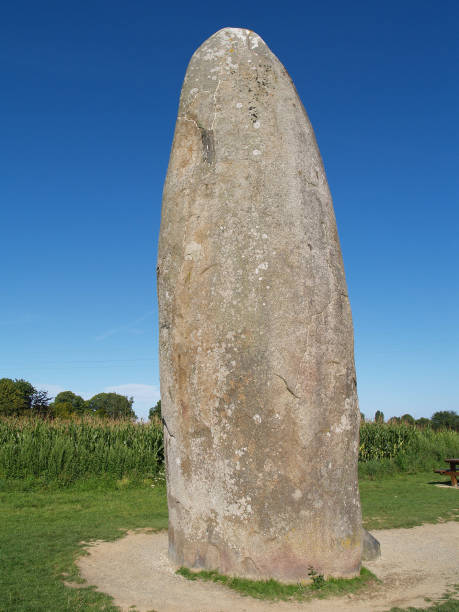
<point x="452" y="472"/>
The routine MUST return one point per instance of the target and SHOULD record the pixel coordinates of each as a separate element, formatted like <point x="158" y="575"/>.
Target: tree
<point x="28" y="391"/>
<point x="67" y="403"/>
<point x="423" y="422"/>
<point x="394" y="420"/>
<point x="155" y="412"/>
<point x="11" y="398"/>
<point x="379" y="417"/>
<point x="112" y="406"/>
<point x="447" y="419"/>
<point x="407" y="419"/>
<point x="63" y="410"/>
<point x="362" y="417"/>
<point x="40" y="402"/>
<point x="16" y="397"/>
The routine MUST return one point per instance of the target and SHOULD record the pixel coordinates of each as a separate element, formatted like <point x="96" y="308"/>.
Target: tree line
<point x="19" y="397"/>
<point x="443" y="419"/>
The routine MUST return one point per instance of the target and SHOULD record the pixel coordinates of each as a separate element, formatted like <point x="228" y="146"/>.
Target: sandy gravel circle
<point x="415" y="563"/>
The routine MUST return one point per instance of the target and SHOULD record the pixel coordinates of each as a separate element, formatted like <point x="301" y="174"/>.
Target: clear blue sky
<point x="89" y="94"/>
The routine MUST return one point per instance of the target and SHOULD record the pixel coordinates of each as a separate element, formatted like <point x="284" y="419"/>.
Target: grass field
<point x="41" y="530"/>
<point x="40" y="535"/>
<point x="407" y="500"/>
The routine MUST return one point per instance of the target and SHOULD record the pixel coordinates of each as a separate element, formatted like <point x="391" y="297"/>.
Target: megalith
<point x="258" y="386"/>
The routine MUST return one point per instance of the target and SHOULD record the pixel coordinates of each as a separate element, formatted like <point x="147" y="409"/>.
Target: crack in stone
<point x="209" y="267"/>
<point x="208" y="145"/>
<point x="167" y="428"/>
<point x="207" y="139"/>
<point x="287" y="386"/>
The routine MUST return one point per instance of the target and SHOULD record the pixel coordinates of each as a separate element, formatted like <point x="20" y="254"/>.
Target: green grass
<point x="273" y="590"/>
<point x="447" y="603"/>
<point x="406" y="500"/>
<point x="41" y="530"/>
<point x="40" y="536"/>
<point x="447" y="606"/>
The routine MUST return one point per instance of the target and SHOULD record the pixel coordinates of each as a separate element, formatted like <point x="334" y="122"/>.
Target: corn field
<point x="66" y="450"/>
<point x="381" y="441"/>
<point x="389" y="448"/>
<point x="69" y="450"/>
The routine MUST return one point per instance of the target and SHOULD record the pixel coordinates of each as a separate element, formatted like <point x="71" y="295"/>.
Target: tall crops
<point x="66" y="451"/>
<point x="69" y="450"/>
<point x="381" y="441"/>
<point x="393" y="448"/>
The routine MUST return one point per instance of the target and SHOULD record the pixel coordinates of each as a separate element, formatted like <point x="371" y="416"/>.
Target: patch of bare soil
<point x="135" y="570"/>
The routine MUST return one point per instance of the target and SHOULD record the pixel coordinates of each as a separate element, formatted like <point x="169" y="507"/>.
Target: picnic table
<point x="452" y="472"/>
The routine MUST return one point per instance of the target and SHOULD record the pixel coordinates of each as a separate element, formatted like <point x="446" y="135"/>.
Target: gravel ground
<point x="415" y="563"/>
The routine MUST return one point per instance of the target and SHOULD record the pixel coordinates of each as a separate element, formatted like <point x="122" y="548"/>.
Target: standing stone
<point x="256" y="343"/>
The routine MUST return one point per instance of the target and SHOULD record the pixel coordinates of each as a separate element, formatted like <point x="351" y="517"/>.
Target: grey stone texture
<point x="258" y="381"/>
<point x="371" y="548"/>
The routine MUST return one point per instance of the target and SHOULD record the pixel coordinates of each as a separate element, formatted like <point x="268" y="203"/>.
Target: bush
<point x="445" y="419"/>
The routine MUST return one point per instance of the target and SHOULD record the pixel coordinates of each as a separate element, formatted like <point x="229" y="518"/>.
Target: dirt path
<point x="416" y="563"/>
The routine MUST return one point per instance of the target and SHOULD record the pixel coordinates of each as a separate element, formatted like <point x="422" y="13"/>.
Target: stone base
<point x="280" y="560"/>
<point x="371" y="548"/>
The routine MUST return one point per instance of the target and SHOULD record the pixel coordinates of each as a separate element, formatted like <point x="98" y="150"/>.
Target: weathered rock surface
<point x="256" y="341"/>
<point x="371" y="548"/>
